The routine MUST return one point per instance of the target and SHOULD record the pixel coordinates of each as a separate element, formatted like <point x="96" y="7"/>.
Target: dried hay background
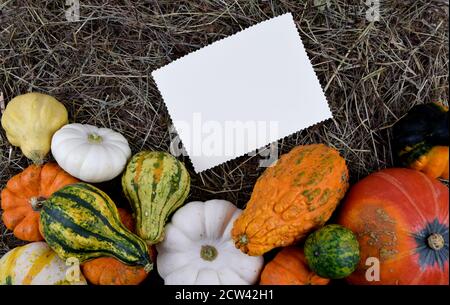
<point x="99" y="67"/>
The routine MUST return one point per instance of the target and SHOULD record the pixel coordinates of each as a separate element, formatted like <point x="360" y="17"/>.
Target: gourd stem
<point x="37" y="202"/>
<point x="243" y="239"/>
<point x="37" y="157"/>
<point x="436" y="241"/>
<point x="208" y="253"/>
<point x="95" y="138"/>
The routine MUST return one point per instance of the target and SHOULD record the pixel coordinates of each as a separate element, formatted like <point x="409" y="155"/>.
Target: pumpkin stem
<point x="436" y="241"/>
<point x="208" y="253"/>
<point x="37" y="202"/>
<point x="95" y="138"/>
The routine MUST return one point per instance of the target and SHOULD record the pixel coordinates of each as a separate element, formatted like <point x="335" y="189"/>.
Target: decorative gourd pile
<point x="78" y="221"/>
<point x="393" y="224"/>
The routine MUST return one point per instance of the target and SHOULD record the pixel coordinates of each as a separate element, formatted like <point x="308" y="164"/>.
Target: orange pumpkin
<point x="22" y="198"/>
<point x="291" y="198"/>
<point x="110" y="271"/>
<point x="289" y="267"/>
<point x="400" y="217"/>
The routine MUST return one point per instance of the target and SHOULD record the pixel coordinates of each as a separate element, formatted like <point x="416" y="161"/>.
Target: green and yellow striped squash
<point x="81" y="221"/>
<point x="156" y="184"/>
<point x="37" y="264"/>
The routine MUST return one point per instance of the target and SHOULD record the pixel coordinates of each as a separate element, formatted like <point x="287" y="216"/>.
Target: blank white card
<point x="242" y="93"/>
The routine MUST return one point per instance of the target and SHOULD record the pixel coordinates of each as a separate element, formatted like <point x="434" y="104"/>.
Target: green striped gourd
<point x="81" y="221"/>
<point x="37" y="264"/>
<point x="156" y="184"/>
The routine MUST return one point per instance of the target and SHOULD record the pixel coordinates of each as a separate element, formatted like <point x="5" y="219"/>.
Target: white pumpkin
<point x="198" y="249"/>
<point x="37" y="264"/>
<point x="90" y="153"/>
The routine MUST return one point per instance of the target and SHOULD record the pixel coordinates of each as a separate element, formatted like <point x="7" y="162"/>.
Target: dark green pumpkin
<point x="81" y="221"/>
<point x="416" y="134"/>
<point x="332" y="251"/>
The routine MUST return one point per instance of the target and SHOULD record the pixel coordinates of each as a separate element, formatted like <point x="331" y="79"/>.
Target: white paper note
<point x="242" y="93"/>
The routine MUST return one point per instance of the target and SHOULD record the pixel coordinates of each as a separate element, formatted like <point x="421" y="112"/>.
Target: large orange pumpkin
<point x="400" y="217"/>
<point x="22" y="198"/>
<point x="110" y="271"/>
<point x="289" y="267"/>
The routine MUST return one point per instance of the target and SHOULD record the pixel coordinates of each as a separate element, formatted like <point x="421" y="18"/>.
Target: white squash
<point x="198" y="249"/>
<point x="37" y="264"/>
<point x="90" y="153"/>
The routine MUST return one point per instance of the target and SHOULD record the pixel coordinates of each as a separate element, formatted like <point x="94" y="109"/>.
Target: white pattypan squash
<point x="90" y="153"/>
<point x="198" y="248"/>
<point x="37" y="264"/>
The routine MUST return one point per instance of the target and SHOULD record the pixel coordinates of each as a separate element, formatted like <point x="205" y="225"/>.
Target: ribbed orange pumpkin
<point x="400" y="217"/>
<point x="23" y="196"/>
<point x="289" y="267"/>
<point x="291" y="198"/>
<point x="110" y="271"/>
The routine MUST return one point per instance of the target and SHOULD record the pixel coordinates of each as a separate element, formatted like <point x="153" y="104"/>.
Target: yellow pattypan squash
<point x="30" y="120"/>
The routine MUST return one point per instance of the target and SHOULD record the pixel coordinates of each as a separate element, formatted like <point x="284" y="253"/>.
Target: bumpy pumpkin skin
<point x="421" y="140"/>
<point x="292" y="198"/>
<point x="394" y="212"/>
<point x="23" y="194"/>
<point x="81" y="221"/>
<point x="156" y="184"/>
<point x="30" y="120"/>
<point x="110" y="271"/>
<point x="289" y="267"/>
